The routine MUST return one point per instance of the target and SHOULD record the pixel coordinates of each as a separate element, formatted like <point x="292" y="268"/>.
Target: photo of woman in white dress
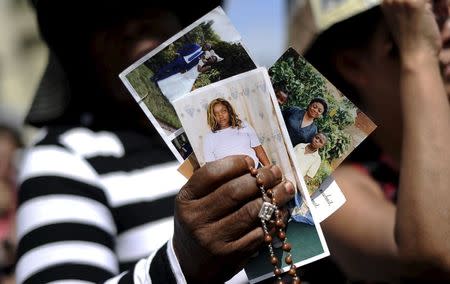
<point x="230" y="135"/>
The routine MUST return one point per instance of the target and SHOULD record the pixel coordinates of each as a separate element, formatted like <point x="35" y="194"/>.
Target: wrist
<point x="419" y="59"/>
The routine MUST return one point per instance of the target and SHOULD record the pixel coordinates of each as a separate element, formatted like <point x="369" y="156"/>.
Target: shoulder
<point x="300" y="146"/>
<point x="210" y="136"/>
<point x="81" y="141"/>
<point x="246" y="126"/>
<point x="64" y="152"/>
<point x="317" y="155"/>
<point x="294" y="111"/>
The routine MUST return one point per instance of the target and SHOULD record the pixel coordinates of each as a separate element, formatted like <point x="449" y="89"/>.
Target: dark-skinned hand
<point x="217" y="228"/>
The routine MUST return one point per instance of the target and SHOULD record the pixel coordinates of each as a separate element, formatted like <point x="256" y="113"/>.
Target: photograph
<point x="328" y="12"/>
<point x="324" y="127"/>
<point x="240" y="116"/>
<point x="182" y="145"/>
<point x="207" y="51"/>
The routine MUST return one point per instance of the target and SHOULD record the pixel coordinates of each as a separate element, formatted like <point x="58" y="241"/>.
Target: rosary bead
<point x="286" y="247"/>
<point x="279" y="223"/>
<point x="288" y="259"/>
<point x="274" y="260"/>
<point x="292" y="271"/>
<point x="277" y="271"/>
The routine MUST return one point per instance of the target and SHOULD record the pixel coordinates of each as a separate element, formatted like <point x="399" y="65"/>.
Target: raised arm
<point x="408" y="240"/>
<point x="423" y="207"/>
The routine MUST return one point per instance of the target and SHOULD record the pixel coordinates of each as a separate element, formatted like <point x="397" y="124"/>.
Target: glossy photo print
<point x="239" y="115"/>
<point x="207" y="51"/>
<point x="324" y="126"/>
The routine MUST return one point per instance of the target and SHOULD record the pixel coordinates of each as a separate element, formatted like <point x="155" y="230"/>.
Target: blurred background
<point x="23" y="56"/>
<point x="22" y="60"/>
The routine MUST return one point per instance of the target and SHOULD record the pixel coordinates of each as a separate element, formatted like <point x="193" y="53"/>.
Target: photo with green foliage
<point x="303" y="82"/>
<point x="235" y="61"/>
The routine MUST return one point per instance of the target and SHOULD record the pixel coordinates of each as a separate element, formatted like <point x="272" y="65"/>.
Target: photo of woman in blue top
<point x="300" y="123"/>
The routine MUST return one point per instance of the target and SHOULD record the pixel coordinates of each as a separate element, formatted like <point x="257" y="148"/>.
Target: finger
<point x="283" y="193"/>
<point x="229" y="197"/>
<point x="248" y="244"/>
<point x="240" y="222"/>
<point x="246" y="218"/>
<point x="234" y="194"/>
<point x="269" y="176"/>
<point x="206" y="179"/>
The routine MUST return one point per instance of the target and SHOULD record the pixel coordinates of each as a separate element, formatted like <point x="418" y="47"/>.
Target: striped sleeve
<point x="161" y="267"/>
<point x="65" y="226"/>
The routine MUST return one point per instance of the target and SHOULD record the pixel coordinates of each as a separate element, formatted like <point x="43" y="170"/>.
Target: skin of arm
<point x="261" y="154"/>
<point x="408" y="240"/>
<point x="422" y="211"/>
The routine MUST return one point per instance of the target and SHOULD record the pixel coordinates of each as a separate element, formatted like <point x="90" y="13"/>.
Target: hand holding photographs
<point x="197" y="90"/>
<point x="238" y="116"/>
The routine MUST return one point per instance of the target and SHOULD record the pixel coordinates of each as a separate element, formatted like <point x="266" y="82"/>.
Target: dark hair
<point x="324" y="135"/>
<point x="355" y="32"/>
<point x="69" y="45"/>
<point x="322" y="102"/>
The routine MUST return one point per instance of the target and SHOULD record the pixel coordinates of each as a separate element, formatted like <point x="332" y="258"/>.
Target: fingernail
<point x="289" y="187"/>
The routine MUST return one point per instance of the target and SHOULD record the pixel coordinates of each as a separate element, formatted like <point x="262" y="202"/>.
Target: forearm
<point x="262" y="156"/>
<point x="422" y="228"/>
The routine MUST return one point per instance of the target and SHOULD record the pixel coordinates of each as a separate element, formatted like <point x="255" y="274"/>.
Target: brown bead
<point x="286" y="247"/>
<point x="274" y="260"/>
<point x="269" y="192"/>
<point x="292" y="272"/>
<point x="274" y="201"/>
<point x="279" y="223"/>
<point x="267" y="239"/>
<point x="296" y="280"/>
<point x="288" y="259"/>
<point x="277" y="271"/>
<point x="282" y="235"/>
<point x="253" y="171"/>
<point x="279" y="281"/>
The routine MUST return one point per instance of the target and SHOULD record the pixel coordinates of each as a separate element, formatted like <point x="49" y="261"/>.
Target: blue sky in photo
<point x="262" y="24"/>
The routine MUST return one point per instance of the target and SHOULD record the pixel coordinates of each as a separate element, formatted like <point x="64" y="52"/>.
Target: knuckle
<point x="277" y="172"/>
<point x="281" y="193"/>
<point x="250" y="211"/>
<point x="183" y="195"/>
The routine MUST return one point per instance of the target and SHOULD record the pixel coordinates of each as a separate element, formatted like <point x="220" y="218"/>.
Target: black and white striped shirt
<point x="91" y="204"/>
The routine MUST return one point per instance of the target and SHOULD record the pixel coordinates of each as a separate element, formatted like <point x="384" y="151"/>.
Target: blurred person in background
<point x="98" y="187"/>
<point x="394" y="226"/>
<point x="10" y="143"/>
